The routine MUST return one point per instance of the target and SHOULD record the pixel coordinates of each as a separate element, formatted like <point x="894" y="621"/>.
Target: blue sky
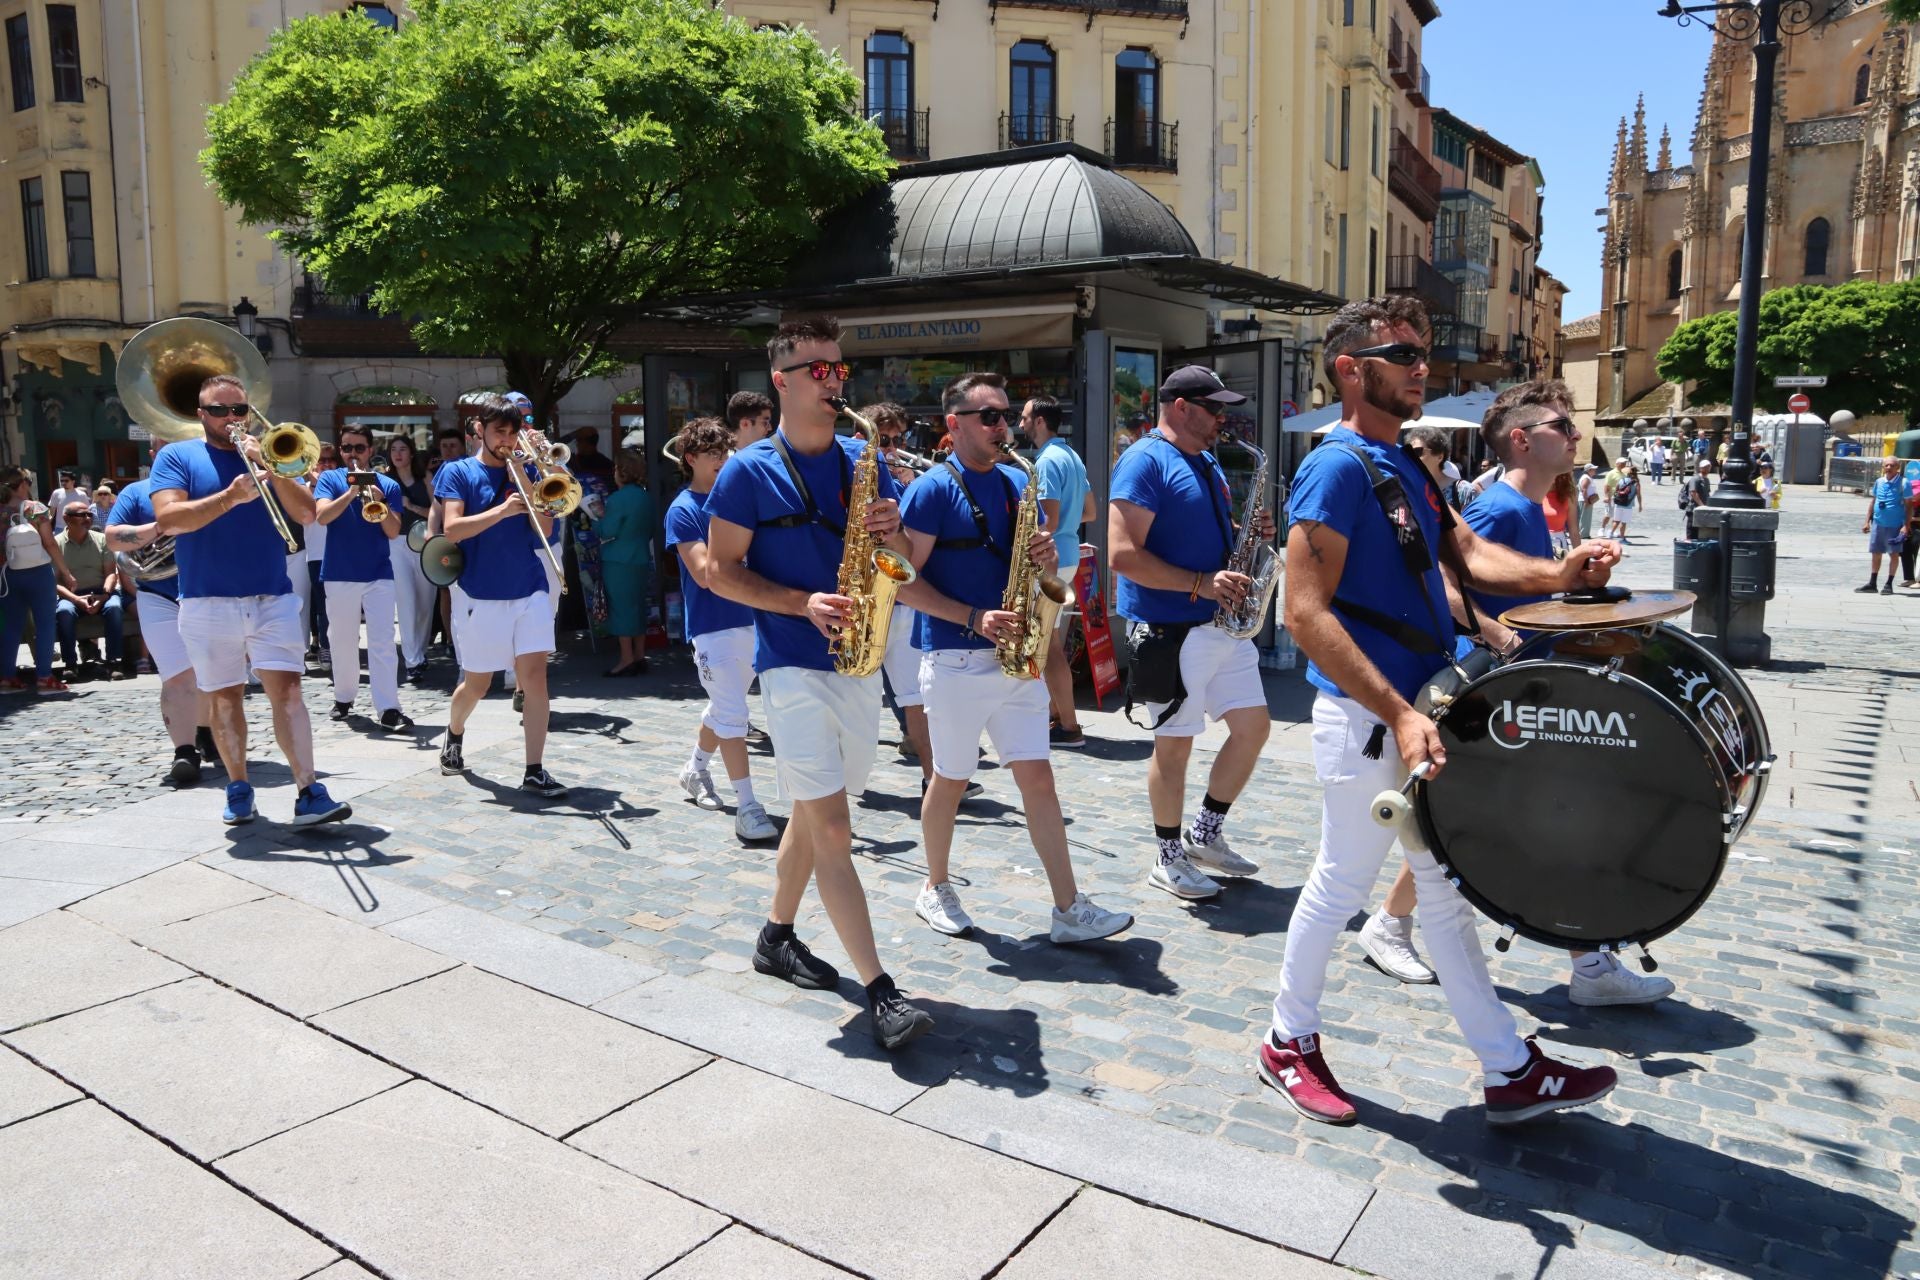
<point x="1551" y="78"/>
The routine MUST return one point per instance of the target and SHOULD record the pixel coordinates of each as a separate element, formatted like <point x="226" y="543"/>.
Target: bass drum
<point x="1592" y="789"/>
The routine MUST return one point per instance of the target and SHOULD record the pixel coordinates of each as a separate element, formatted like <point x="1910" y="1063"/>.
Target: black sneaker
<point x="452" y="759"/>
<point x="1888" y="589"/>
<point x="755" y="733"/>
<point x="341" y="710"/>
<point x="185" y="771"/>
<point x="1061" y="736"/>
<point x="1867" y="590"/>
<point x="203" y="743"/>
<point x="973" y="789"/>
<point x="541" y="783"/>
<point x="393" y="721"/>
<point x="416" y="674"/>
<point x="790" y="961"/>
<point x="897" y="1022"/>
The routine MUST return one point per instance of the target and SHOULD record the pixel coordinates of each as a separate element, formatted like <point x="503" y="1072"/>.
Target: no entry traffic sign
<point x="1799" y="402"/>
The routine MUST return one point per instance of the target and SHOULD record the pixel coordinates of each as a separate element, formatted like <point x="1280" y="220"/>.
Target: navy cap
<point x="1197" y="382"/>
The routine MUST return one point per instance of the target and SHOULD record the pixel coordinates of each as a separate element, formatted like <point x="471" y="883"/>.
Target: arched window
<point x="1819" y="233"/>
<point x="890" y="90"/>
<point x="1673" y="274"/>
<point x="1136" y="109"/>
<point x="1032" y="107"/>
<point x="1861" y="80"/>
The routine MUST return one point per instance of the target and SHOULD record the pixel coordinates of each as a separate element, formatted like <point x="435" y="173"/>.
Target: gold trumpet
<point x="373" y="507"/>
<point x="553" y="493"/>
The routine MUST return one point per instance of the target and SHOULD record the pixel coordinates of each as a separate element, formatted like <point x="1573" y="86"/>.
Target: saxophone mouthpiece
<point x="838" y="402"/>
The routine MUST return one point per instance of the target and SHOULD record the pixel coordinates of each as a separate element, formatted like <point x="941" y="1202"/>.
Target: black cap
<point x="1197" y="382"/>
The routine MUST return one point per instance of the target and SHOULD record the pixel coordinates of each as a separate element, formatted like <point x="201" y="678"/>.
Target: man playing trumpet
<point x="357" y="574"/>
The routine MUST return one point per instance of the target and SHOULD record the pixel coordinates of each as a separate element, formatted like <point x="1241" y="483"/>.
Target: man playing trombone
<point x="357" y="575"/>
<point x="237" y="607"/>
<point x="504" y="621"/>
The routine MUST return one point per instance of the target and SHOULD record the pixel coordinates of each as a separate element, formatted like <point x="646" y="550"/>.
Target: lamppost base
<point x="1741" y="498"/>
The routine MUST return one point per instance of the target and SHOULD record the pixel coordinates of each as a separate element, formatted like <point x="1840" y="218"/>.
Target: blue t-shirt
<point x="357" y="550"/>
<point x="237" y="553"/>
<point x="1192" y="523"/>
<point x="1506" y="516"/>
<point x="502" y="562"/>
<point x="1062" y="475"/>
<point x="1890" y="502"/>
<point x="706" y="611"/>
<point x="975" y="576"/>
<point x="134" y="507"/>
<point x="1332" y="489"/>
<point x="754" y="489"/>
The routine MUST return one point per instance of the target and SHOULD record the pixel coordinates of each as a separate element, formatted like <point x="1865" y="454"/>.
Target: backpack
<point x="1623" y="493"/>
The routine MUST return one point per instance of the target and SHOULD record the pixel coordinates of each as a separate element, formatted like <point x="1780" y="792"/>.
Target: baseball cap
<point x="1593" y="466"/>
<point x="1197" y="382"/>
<point x="520" y="400"/>
<point x="1705" y="465"/>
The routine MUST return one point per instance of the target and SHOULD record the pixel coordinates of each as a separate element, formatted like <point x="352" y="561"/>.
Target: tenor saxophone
<point x="1255" y="557"/>
<point x="870" y="575"/>
<point x="1036" y="597"/>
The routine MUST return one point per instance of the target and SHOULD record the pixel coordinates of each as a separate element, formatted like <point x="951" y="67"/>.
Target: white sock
<point x="742" y="790"/>
<point x="1591" y="965"/>
<point x="699" y="762"/>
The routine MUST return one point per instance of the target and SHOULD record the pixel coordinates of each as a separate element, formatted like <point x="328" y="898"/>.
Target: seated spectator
<point x="102" y="504"/>
<point x="94" y="591"/>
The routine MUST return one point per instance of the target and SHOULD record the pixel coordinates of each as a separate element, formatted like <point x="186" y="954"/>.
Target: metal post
<point x="1736" y="477"/>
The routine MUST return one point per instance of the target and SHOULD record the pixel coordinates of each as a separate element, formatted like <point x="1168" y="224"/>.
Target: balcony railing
<point x="312" y="297"/>
<point x="1411" y="274"/>
<point x="1133" y="145"/>
<point x="1402" y="64"/>
<point x="1413" y="177"/>
<point x="1032" y="131"/>
<point x="1520" y="351"/>
<point x="905" y="130"/>
<point x="1455" y="341"/>
<point x="1117" y="8"/>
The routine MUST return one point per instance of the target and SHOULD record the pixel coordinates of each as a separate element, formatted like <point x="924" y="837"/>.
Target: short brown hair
<point x="790" y="335"/>
<point x="630" y="466"/>
<point x="1355" y="324"/>
<point x="223" y="380"/>
<point x="1541" y="393"/>
<point x="354" y="429"/>
<point x="886" y="415"/>
<point x="702" y="435"/>
<point x="746" y="404"/>
<point x="1430" y="438"/>
<point x="961" y="388"/>
<point x="492" y="407"/>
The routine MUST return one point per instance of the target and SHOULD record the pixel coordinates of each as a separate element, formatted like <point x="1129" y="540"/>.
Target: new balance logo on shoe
<point x="1290" y="1076"/>
<point x="1550" y="1086"/>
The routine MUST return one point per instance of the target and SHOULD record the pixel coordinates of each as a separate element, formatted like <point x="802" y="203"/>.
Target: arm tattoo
<point x="125" y="538"/>
<point x="1308" y="526"/>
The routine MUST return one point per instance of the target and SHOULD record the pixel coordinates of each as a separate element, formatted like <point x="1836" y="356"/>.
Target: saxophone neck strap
<point x="812" y="513"/>
<point x="1210" y="478"/>
<point x="979" y="517"/>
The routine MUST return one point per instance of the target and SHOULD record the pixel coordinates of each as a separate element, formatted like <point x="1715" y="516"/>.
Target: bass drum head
<point x="1579" y="810"/>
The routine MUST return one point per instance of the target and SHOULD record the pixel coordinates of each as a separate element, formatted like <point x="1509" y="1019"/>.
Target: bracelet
<point x="973" y="618"/>
<point x="1193" y="593"/>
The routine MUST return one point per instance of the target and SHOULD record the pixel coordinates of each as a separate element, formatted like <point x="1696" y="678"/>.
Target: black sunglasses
<point x="1562" y="424"/>
<point x="351" y="448"/>
<point x="1404" y="354"/>
<point x="989" y="417"/>
<point x="1215" y="411"/>
<point x="891" y="442"/>
<point x="224" y="410"/>
<point x="819" y="370"/>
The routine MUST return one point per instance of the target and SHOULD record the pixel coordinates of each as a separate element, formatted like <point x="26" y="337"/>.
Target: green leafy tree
<point x="517" y="174"/>
<point x="1903" y="10"/>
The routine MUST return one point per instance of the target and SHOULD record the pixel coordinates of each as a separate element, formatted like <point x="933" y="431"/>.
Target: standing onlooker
<point x="92" y="589"/>
<point x="1067" y="499"/>
<point x="1657" y="460"/>
<point x="70" y="490"/>
<point x="414" y="595"/>
<point x="1589" y="491"/>
<point x="626" y="558"/>
<point x="1558" y="506"/>
<point x="34" y="565"/>
<point x="1697" y="448"/>
<point x="750" y="415"/>
<point x="1889" y="509"/>
<point x="1720" y="459"/>
<point x="1627" y="499"/>
<point x="1770" y="494"/>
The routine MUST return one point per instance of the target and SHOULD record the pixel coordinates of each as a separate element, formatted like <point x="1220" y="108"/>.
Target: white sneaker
<point x="1182" y="879"/>
<point x="750" y="822"/>
<point x="1218" y="857"/>
<point x="698" y="783"/>
<point x="1084" y="921"/>
<point x="1388" y="942"/>
<point x="940" y="907"/>
<point x="1618" y="985"/>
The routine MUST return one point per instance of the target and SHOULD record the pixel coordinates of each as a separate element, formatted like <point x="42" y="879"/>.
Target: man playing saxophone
<point x="970" y="521"/>
<point x="1170" y="530"/>
<point x="778" y="532"/>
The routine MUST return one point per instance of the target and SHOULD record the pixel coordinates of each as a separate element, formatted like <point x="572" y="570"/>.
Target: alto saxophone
<point x="870" y="575"/>
<point x="1036" y="597"/>
<point x="1255" y="557"/>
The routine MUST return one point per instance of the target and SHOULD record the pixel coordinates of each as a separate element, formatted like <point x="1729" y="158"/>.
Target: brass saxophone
<point x="1036" y="597"/>
<point x="870" y="575"/>
<point x="1255" y="557"/>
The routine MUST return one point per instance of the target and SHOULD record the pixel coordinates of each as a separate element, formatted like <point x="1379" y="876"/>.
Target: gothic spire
<point x="1637" y="146"/>
<point x="1666" y="150"/>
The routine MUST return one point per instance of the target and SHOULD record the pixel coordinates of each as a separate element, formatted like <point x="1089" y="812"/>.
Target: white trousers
<point x="346" y="602"/>
<point x="302" y="589"/>
<point x="414" y="599"/>
<point x="1352" y="849"/>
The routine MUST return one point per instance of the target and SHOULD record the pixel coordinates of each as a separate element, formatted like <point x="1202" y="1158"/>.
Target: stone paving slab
<point x="866" y="1191"/>
<point x="26" y="1090"/>
<point x="345" y="1269"/>
<point x="739" y="1254"/>
<point x="204" y="1067"/>
<point x="120" y="829"/>
<point x="331" y="877"/>
<point x="57" y="963"/>
<point x="84" y="1193"/>
<point x="24" y="899"/>
<point x="1104" y="1235"/>
<point x="1400" y="1236"/>
<point x="546" y="964"/>
<point x="292" y="956"/>
<point x="779" y="1042"/>
<point x="417" y="1182"/>
<point x="39" y="853"/>
<point x="545" y="1062"/>
<point x="1280" y="1199"/>
<point x="178" y="892"/>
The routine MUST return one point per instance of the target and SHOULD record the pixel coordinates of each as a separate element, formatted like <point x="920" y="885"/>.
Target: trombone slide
<point x="515" y="469"/>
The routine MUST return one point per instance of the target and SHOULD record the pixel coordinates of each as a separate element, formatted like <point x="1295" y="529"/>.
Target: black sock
<point x="453" y="739"/>
<point x="533" y="768"/>
<point x="772" y="934"/>
<point x="1166" y="833"/>
<point x="1215" y="806"/>
<point x="306" y="791"/>
<point x="186" y="753"/>
<point x="879" y="989"/>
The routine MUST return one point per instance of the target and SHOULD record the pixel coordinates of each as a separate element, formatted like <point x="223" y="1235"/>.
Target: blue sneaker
<point x="316" y="806"/>
<point x="239" y="804"/>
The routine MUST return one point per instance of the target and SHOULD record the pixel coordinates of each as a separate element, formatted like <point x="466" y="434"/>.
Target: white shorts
<point x="160" y="628"/>
<point x="225" y="635"/>
<point x="902" y="663"/>
<point x="1221" y="674"/>
<point x="823" y="727"/>
<point x="553" y="580"/>
<point x="1623" y="516"/>
<point x="724" y="660"/>
<point x="492" y="633"/>
<point x="966" y="693"/>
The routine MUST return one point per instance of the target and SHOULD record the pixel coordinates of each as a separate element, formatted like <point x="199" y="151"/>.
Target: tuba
<point x="153" y="562"/>
<point x="1254" y="557"/>
<point x="1038" y="598"/>
<point x="870" y="574"/>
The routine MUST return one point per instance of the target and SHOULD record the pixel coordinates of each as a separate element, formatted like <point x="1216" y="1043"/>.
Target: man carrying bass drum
<point x="1366" y="603"/>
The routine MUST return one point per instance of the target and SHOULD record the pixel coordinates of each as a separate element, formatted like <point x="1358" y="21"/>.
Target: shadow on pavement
<point x="1125" y="962"/>
<point x="1248" y="907"/>
<point x="998" y="1048"/>
<point x="1637" y="1031"/>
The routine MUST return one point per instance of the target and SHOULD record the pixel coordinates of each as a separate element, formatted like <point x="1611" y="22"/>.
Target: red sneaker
<point x="1302" y="1076"/>
<point x="50" y="685"/>
<point x="1544" y="1085"/>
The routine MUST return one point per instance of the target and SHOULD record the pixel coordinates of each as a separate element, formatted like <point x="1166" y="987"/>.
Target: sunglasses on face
<point x="1563" y="425"/>
<point x="821" y="370"/>
<point x="1404" y="354"/>
<point x="1212" y="410"/>
<point x="80" y="515"/>
<point x="891" y="442"/>
<point x="224" y="410"/>
<point x="352" y="448"/>
<point x="989" y="417"/>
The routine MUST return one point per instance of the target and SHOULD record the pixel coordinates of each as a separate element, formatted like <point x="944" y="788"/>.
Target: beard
<point x="1405" y="405"/>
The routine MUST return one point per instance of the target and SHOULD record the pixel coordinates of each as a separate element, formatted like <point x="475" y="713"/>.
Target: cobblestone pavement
<point x="1767" y="1119"/>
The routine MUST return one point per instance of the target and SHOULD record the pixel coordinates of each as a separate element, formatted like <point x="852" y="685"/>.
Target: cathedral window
<point x="1861" y="79"/>
<point x="1819" y="232"/>
<point x="1673" y="274"/>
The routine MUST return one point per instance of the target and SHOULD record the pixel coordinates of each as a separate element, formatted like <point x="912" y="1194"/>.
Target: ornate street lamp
<point x="1737" y="20"/>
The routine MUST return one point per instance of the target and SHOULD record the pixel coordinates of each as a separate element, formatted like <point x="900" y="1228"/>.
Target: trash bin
<point x="1696" y="566"/>
<point x="1750" y="569"/>
<point x="1846" y="448"/>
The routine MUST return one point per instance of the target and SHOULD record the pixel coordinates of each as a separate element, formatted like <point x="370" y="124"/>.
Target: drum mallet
<point x="1394" y="808"/>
